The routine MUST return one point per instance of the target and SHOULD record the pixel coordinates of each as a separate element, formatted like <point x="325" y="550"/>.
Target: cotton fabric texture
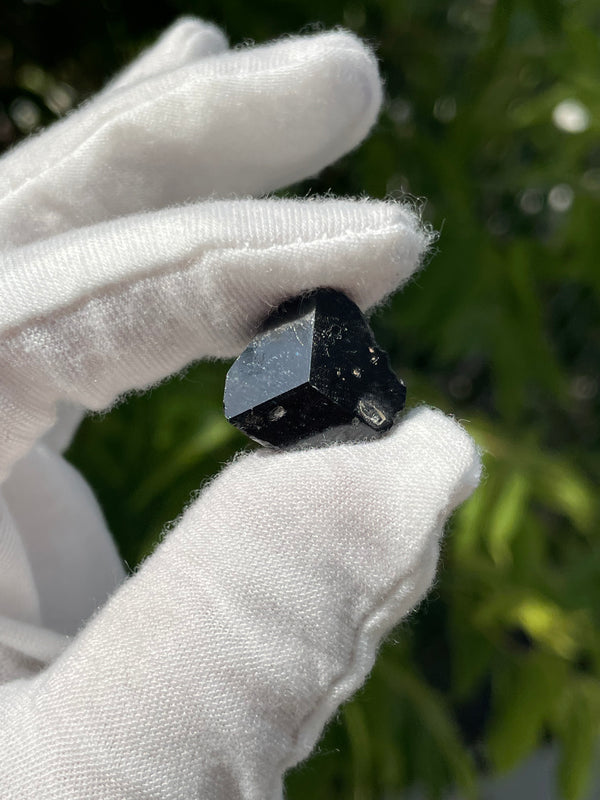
<point x="136" y="237"/>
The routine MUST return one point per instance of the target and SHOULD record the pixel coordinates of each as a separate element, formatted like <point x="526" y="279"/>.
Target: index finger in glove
<point x="242" y="122"/>
<point x="97" y="312"/>
<point x="215" y="668"/>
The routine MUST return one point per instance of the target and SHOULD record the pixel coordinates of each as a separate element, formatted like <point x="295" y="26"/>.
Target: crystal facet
<point x="314" y="371"/>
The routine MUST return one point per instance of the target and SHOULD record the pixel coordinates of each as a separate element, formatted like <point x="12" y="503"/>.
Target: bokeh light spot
<point x="571" y="116"/>
<point x="25" y="114"/>
<point x="531" y="201"/>
<point x="444" y="109"/>
<point x="560" y="197"/>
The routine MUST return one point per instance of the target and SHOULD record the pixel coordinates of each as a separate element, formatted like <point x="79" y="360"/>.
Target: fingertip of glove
<point x="409" y="242"/>
<point x="196" y="36"/>
<point x="187" y="41"/>
<point x="354" y="67"/>
<point x="453" y="458"/>
<point x="340" y="75"/>
<point x="191" y="38"/>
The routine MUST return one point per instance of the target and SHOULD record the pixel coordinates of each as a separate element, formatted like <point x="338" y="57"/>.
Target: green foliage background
<point x="502" y="330"/>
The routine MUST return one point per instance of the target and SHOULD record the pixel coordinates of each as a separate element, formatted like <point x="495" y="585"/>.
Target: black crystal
<point x="313" y="371"/>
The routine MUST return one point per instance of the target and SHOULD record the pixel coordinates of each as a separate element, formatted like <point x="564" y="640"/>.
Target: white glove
<point x="214" y="668"/>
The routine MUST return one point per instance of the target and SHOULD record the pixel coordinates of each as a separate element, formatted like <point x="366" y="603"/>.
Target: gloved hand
<point x="214" y="668"/>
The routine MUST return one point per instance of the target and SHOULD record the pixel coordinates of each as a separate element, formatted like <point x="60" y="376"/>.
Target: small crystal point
<point x="314" y="372"/>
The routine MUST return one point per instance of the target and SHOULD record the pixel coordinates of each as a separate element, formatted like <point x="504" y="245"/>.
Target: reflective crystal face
<point x="313" y="368"/>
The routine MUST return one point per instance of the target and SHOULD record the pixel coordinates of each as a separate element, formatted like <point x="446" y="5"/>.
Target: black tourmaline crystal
<point x="313" y="372"/>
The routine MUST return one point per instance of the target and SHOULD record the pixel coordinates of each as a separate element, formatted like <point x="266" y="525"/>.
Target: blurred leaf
<point x="433" y="714"/>
<point x="507" y="514"/>
<point x="560" y="485"/>
<point x="579" y="729"/>
<point x="552" y="628"/>
<point x="526" y="695"/>
<point x="214" y="432"/>
<point x="360" y="744"/>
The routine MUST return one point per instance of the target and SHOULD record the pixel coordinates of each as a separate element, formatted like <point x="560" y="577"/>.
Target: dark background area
<point x="493" y="114"/>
